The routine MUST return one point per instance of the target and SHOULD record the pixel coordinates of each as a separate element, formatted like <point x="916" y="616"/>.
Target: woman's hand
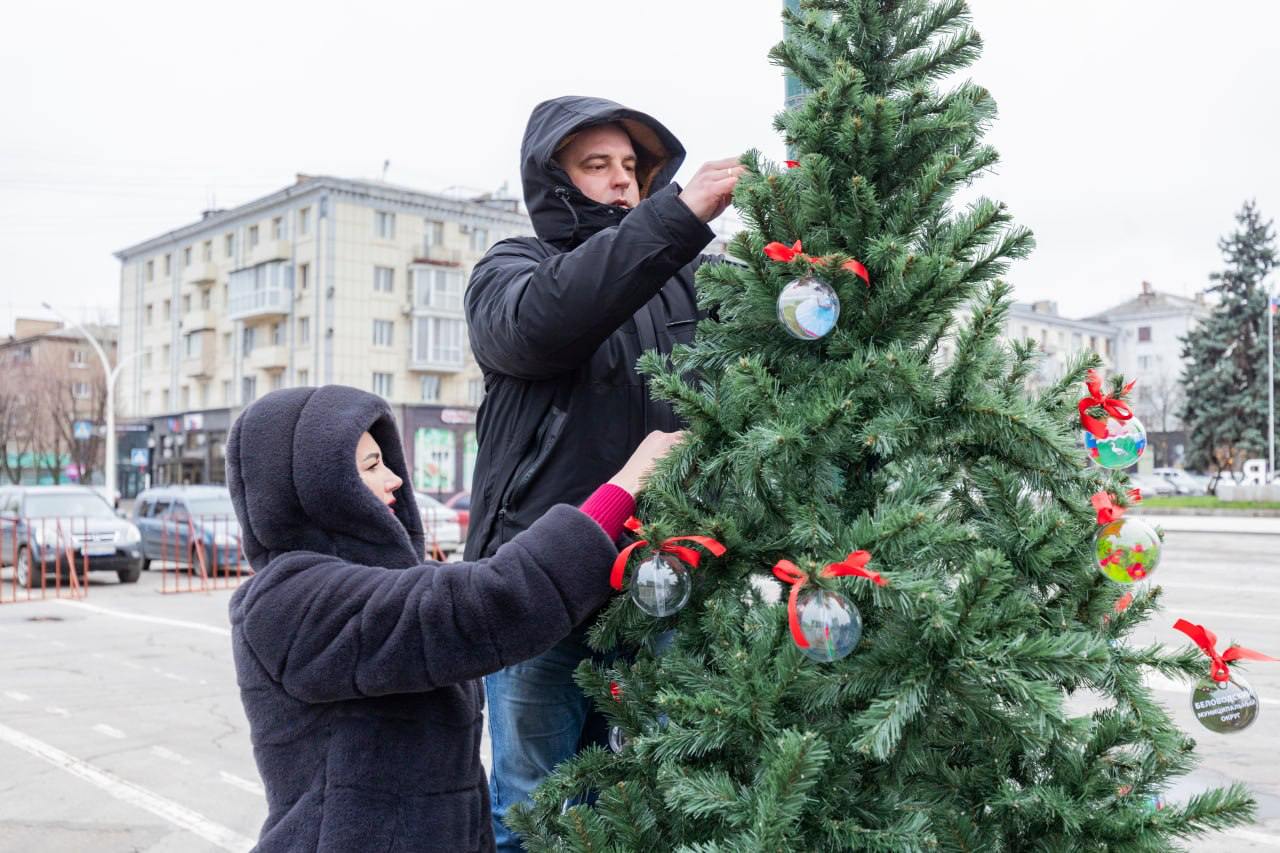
<point x="636" y="472"/>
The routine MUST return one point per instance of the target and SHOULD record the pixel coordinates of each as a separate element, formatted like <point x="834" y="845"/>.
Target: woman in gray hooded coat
<point x="357" y="661"/>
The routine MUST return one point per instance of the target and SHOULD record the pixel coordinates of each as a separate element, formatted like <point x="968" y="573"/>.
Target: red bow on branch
<point x="792" y="164"/>
<point x="687" y="555"/>
<point x="787" y="572"/>
<point x="1109" y="510"/>
<point x="1117" y="409"/>
<point x="1207" y="641"/>
<point x="786" y="254"/>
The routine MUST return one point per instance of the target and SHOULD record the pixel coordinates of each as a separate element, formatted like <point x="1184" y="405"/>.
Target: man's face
<point x="601" y="162"/>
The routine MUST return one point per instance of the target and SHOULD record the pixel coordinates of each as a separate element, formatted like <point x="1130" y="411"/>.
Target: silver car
<point x="47" y="530"/>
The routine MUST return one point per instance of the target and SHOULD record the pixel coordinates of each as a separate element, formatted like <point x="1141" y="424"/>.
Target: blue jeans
<point x="538" y="718"/>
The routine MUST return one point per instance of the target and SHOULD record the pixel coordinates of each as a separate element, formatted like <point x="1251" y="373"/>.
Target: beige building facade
<point x="328" y="281"/>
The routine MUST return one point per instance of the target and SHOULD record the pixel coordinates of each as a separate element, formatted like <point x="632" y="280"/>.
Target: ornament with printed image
<point x="660" y="585"/>
<point x="1112" y="435"/>
<point x="808" y="307"/>
<point x="1224" y="702"/>
<point x="618" y="739"/>
<point x="824" y="625"/>
<point x="1127" y="550"/>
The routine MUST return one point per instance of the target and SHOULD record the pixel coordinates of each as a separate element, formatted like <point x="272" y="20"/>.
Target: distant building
<point x="329" y="280"/>
<point x="1148" y="330"/>
<point x="1060" y="338"/>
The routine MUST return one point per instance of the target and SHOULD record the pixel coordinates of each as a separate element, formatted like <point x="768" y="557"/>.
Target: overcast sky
<point x="1130" y="131"/>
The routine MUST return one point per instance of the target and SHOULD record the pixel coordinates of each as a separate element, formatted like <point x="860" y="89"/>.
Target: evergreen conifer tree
<point x="1226" y="355"/>
<point x="993" y="703"/>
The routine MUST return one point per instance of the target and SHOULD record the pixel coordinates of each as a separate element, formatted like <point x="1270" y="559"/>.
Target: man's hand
<point x="711" y="189"/>
<point x="656" y="445"/>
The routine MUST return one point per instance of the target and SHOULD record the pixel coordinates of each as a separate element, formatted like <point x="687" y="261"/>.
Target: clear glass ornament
<point x="1127" y="550"/>
<point x="618" y="739"/>
<point x="1124" y="445"/>
<point x="832" y="625"/>
<point x="808" y="308"/>
<point x="661" y="585"/>
<point x="1225" y="707"/>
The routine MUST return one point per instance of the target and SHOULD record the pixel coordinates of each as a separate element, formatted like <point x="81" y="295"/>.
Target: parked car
<point x="52" y="528"/>
<point x="440" y="524"/>
<point x="461" y="504"/>
<point x="1183" y="482"/>
<point x="1152" y="486"/>
<point x="172" y="519"/>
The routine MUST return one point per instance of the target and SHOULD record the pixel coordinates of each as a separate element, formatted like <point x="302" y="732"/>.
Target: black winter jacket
<point x="356" y="661"/>
<point x="557" y="323"/>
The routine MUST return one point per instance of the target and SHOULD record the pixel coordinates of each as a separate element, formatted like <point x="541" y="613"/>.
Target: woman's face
<point x="377" y="477"/>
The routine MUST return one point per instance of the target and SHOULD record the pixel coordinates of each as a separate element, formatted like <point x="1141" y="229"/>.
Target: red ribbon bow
<point x="687" y="555"/>
<point x="786" y="254"/>
<point x="615" y="691"/>
<point x="1109" y="510"/>
<point x="1117" y="409"/>
<point x="787" y="572"/>
<point x="792" y="164"/>
<point x="1207" y="641"/>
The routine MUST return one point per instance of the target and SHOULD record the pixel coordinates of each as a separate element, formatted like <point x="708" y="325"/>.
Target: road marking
<point x="56" y="711"/>
<point x="169" y="755"/>
<point x="16" y="696"/>
<point x="162" y="807"/>
<point x="1255" y="837"/>
<point x="1216" y="587"/>
<point x="138" y="617"/>
<point x="243" y="784"/>
<point x="1224" y="614"/>
<point x="104" y="729"/>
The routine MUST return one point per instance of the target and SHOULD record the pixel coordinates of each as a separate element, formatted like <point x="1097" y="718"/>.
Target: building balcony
<point x="271" y="250"/>
<point x="258" y="304"/>
<point x="201" y="366"/>
<point x="200" y="272"/>
<point x="269" y="358"/>
<point x="199" y="320"/>
<point x="442" y="255"/>
<point x="429" y="365"/>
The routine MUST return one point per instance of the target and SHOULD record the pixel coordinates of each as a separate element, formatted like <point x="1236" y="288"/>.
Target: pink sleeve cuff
<point x="610" y="506"/>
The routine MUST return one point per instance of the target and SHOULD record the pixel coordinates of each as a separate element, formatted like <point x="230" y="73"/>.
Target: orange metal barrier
<point x="204" y="556"/>
<point x="38" y="558"/>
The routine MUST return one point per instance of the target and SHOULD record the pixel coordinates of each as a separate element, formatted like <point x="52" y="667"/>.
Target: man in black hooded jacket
<point x="557" y="323"/>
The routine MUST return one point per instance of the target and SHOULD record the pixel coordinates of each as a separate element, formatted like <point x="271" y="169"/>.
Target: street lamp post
<point x="112" y="373"/>
<point x="1272" y="302"/>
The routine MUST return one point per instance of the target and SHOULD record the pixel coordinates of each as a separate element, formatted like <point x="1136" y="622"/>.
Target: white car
<point x="1152" y="486"/>
<point x="439" y="524"/>
<point x="1186" y="484"/>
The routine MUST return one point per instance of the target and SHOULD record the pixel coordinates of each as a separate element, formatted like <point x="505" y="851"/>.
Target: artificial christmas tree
<point x="962" y="501"/>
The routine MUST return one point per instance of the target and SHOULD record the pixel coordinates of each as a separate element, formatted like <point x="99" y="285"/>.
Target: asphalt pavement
<point x="121" y="727"/>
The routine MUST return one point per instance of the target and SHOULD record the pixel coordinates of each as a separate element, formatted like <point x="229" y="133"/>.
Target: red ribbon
<point x="1117" y="409"/>
<point x="686" y="555"/>
<point x="615" y="691"/>
<point x="787" y="572"/>
<point x="1207" y="641"/>
<point x="1123" y="602"/>
<point x="791" y="164"/>
<point x="786" y="254"/>
<point x="1109" y="510"/>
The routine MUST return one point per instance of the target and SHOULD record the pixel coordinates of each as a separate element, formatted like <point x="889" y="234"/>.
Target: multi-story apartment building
<point x="329" y="280"/>
<point x="53" y="402"/>
<point x="1059" y="338"/>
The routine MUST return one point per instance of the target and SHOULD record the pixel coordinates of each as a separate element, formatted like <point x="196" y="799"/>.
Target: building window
<point x="277" y="381"/>
<point x="206" y="299"/>
<point x="186" y="257"/>
<point x="384" y="225"/>
<point x="248" y="390"/>
<point x="168" y="311"/>
<point x="208" y="250"/>
<point x="164" y="356"/>
<point x="277" y="334"/>
<point x="304" y="377"/>
<point x="146" y="360"/>
<point x="304" y="331"/>
<point x="164" y="400"/>
<point x="438" y="340"/>
<point x="146" y="401"/>
<point x="1144" y="362"/>
<point x="191" y="345"/>
<point x="77" y="358"/>
<point x="226" y="392"/>
<point x="382" y="384"/>
<point x="475" y="391"/>
<point x="430" y="389"/>
<point x="80" y="390"/>
<point x="1144" y="334"/>
<point x="479" y="239"/>
<point x="247" y="340"/>
<point x="168" y="264"/>
<point x="382" y="333"/>
<point x="186" y="396"/>
<point x="434" y="234"/>
<point x="151" y="271"/>
<point x="186" y="303"/>
<point x="304" y="276"/>
<point x="1077" y="341"/>
<point x="253" y="237"/>
<point x="229" y="245"/>
<point x="383" y="279"/>
<point x="151" y="317"/>
<point x="226" y="343"/>
<point x="277" y="228"/>
<point x="437" y="289"/>
<point x="304" y="221"/>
